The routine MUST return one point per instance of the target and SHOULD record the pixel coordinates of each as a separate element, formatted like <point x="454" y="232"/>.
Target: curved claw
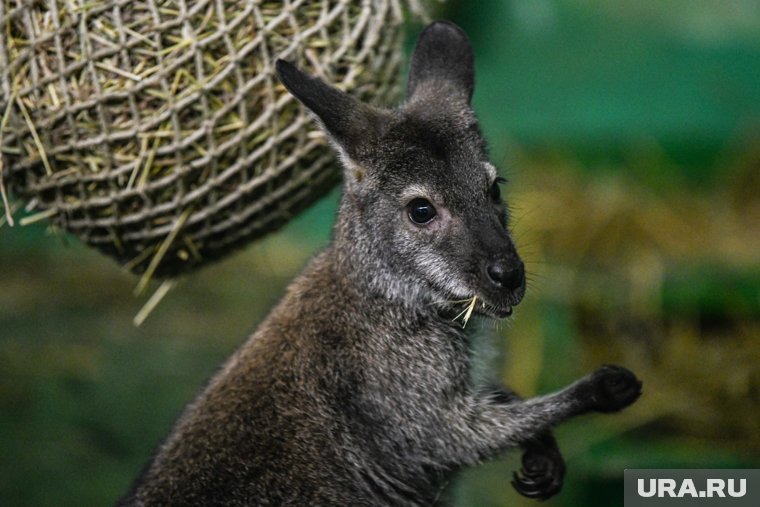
<point x="526" y="488"/>
<point x="542" y="472"/>
<point x="541" y="487"/>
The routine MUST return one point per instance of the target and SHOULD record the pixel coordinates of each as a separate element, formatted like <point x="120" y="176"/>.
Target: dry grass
<point x="467" y="312"/>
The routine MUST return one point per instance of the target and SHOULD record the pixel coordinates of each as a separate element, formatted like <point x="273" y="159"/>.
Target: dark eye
<point x="495" y="190"/>
<point x="421" y="211"/>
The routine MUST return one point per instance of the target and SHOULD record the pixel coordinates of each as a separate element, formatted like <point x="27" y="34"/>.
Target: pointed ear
<point x="442" y="62"/>
<point x="349" y="122"/>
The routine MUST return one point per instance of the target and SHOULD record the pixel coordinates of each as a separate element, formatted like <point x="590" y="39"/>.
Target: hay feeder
<point x="157" y="132"/>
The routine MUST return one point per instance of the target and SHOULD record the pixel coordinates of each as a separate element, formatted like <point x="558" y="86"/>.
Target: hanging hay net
<point x="157" y="131"/>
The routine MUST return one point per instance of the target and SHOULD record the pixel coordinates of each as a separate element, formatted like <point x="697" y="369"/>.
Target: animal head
<point x="422" y="201"/>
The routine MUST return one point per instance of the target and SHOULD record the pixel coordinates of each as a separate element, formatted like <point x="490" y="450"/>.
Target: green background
<point x="629" y="133"/>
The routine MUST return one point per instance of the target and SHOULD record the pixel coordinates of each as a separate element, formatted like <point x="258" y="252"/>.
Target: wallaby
<point x="357" y="389"/>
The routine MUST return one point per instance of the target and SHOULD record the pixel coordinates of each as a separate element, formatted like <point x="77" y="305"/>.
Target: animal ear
<point x="349" y="122"/>
<point x="442" y="62"/>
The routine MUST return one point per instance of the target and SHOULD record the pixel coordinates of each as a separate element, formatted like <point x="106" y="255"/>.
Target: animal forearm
<point x="495" y="424"/>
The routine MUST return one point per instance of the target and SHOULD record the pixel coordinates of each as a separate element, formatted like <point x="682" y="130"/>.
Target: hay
<point x="125" y="114"/>
<point x="153" y="302"/>
<point x="8" y="217"/>
<point x="467" y="312"/>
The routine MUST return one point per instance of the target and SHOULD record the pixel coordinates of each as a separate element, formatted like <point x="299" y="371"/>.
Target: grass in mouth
<point x="467" y="312"/>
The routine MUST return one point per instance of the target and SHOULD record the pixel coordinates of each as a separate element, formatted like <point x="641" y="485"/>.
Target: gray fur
<point x="356" y="389"/>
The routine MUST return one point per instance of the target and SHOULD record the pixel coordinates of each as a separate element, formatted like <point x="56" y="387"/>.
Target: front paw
<point x="613" y="388"/>
<point x="543" y="470"/>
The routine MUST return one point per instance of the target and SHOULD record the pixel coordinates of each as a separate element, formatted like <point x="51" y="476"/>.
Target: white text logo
<point x="716" y="488"/>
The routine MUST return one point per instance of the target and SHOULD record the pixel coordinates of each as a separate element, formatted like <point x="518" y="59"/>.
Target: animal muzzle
<point x="506" y="274"/>
<point x="500" y="271"/>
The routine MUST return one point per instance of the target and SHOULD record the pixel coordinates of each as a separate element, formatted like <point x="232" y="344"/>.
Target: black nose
<point x="507" y="275"/>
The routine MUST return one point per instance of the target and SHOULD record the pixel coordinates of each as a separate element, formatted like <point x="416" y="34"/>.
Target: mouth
<point x="495" y="312"/>
<point x="460" y="307"/>
<point x="499" y="304"/>
<point x="476" y="305"/>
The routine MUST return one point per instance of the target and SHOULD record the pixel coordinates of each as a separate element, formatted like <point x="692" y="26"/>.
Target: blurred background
<point x="630" y="135"/>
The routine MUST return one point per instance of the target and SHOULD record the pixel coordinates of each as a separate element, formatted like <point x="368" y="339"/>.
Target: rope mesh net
<point x="157" y="131"/>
